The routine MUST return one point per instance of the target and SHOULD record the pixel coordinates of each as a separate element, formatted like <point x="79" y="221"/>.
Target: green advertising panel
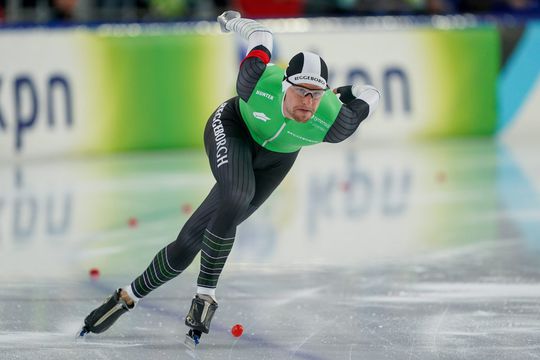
<point x="154" y="91"/>
<point x="463" y="72"/>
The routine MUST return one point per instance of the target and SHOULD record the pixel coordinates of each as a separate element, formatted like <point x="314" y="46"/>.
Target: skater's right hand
<point x="227" y="16"/>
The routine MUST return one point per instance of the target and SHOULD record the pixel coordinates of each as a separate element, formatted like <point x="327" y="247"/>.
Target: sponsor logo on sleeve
<point x="264" y="94"/>
<point x="261" y="116"/>
<point x="321" y="121"/>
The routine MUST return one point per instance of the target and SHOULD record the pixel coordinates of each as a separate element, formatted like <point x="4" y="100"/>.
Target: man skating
<point x="252" y="141"/>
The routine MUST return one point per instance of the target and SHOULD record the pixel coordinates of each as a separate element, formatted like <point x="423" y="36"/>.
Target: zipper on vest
<point x="275" y="135"/>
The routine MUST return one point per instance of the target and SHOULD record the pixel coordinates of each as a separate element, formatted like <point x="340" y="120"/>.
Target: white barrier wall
<point x="80" y="90"/>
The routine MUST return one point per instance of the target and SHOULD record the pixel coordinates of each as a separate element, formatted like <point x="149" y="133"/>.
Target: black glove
<point x="345" y="94"/>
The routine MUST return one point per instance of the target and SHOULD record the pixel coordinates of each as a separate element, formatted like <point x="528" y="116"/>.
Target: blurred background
<point x="46" y="11"/>
<point x="423" y="227"/>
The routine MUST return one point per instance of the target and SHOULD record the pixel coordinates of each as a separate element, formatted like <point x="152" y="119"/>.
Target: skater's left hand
<point x="344" y="94"/>
<point x="227" y="16"/>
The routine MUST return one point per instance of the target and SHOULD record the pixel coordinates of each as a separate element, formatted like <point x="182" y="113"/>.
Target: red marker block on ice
<point x="132" y="222"/>
<point x="187" y="209"/>
<point x="441" y="177"/>
<point x="237" y="330"/>
<point x="94" y="273"/>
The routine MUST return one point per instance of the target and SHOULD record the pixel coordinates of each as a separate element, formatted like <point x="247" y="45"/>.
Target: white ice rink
<point x="406" y="252"/>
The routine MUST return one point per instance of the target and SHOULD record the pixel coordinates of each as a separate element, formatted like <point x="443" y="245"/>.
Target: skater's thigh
<point x="268" y="178"/>
<point x="272" y="172"/>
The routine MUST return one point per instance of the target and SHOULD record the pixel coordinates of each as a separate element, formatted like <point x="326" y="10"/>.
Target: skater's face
<point x="301" y="101"/>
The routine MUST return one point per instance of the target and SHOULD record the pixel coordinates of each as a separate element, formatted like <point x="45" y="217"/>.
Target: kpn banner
<point x="122" y="88"/>
<point x="434" y="83"/>
<point x="75" y="91"/>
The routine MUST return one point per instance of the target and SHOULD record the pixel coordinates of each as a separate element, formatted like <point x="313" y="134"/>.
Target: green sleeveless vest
<point x="268" y="126"/>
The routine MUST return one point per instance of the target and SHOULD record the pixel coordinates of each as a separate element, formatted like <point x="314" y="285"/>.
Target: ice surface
<point x="404" y="252"/>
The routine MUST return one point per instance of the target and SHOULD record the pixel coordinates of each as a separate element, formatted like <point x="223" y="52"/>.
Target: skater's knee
<point x="238" y="201"/>
<point x="180" y="254"/>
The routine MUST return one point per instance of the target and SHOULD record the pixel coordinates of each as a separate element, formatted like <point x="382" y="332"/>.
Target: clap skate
<point x="203" y="308"/>
<point x="103" y="317"/>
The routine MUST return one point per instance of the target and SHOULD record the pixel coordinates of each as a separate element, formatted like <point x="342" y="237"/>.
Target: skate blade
<point x="191" y="342"/>
<point x="81" y="333"/>
<point x="190" y="349"/>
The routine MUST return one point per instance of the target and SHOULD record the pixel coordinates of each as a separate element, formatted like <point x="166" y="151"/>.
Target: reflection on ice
<point x="397" y="252"/>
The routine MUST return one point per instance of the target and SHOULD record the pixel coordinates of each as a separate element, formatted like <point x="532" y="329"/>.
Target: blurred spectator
<point x="498" y="6"/>
<point x="439" y="7"/>
<point x="168" y="9"/>
<point x="269" y="8"/>
<point x="220" y="6"/>
<point x="116" y="10"/>
<point x="519" y="6"/>
<point x="2" y="11"/>
<point x="63" y="10"/>
<point x="40" y="11"/>
<point x="406" y="7"/>
<point x="475" y="6"/>
<point x="330" y="8"/>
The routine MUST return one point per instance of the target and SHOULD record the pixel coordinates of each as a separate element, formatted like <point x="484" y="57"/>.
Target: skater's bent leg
<point x="188" y="244"/>
<point x="273" y="169"/>
<point x="174" y="258"/>
<point x="236" y="184"/>
<point x="254" y="185"/>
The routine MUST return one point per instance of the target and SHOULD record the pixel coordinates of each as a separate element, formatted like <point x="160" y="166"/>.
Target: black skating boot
<point x="106" y="314"/>
<point x="203" y="308"/>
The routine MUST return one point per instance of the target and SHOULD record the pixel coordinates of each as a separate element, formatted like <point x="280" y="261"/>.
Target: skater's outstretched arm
<point x="358" y="103"/>
<point x="259" y="52"/>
